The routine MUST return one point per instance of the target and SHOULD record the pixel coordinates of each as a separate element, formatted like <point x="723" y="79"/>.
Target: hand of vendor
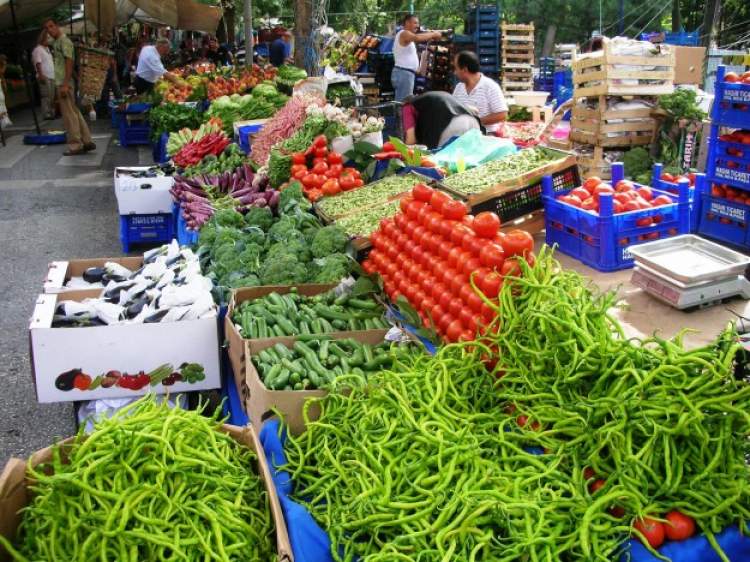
<point x="64" y="90"/>
<point x="171" y="77"/>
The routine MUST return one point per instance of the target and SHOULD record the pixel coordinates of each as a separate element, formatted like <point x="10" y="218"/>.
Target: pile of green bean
<point x="152" y="483"/>
<point x="439" y="460"/>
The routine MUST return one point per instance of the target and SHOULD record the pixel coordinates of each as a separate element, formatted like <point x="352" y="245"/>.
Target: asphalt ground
<point x="51" y="208"/>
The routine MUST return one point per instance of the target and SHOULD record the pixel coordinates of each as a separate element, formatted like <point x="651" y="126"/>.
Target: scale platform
<point x="690" y="272"/>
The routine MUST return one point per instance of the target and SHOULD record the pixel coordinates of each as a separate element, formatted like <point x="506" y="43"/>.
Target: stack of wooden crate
<point x="602" y="78"/>
<point x="517" y="44"/>
<point x="564" y="54"/>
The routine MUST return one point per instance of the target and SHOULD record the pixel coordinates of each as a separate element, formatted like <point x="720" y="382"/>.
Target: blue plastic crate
<point x="729" y="162"/>
<point x="243" y="136"/>
<point x="674" y="188"/>
<point x="160" y="149"/>
<point x="724" y="220"/>
<point x="682" y="37"/>
<point x="146" y="229"/>
<point x="140" y="107"/>
<point x="136" y="133"/>
<point x="185" y="236"/>
<point x="731" y="106"/>
<point x="602" y="240"/>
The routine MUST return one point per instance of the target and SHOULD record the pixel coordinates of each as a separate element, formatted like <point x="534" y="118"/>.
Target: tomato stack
<point x="322" y="172"/>
<point x="431" y="250"/>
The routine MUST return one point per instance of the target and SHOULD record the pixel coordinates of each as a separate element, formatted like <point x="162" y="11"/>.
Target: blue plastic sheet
<point x="309" y="542"/>
<point x="696" y="549"/>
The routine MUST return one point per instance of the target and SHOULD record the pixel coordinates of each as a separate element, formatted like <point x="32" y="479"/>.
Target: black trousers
<point x="142" y="86"/>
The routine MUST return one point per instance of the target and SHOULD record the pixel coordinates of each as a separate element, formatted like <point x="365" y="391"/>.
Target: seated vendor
<point x="434" y="118"/>
<point x="477" y="91"/>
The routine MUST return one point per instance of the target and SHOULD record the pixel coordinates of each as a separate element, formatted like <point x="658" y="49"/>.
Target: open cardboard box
<point x="60" y="272"/>
<point x="127" y="348"/>
<point x="15" y="493"/>
<point x="142" y="196"/>
<point x="261" y="401"/>
<point x="235" y="341"/>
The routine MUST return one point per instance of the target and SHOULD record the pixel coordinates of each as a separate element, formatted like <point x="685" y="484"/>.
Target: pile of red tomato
<point x="428" y="252"/>
<point x="321" y="172"/>
<point x="626" y="197"/>
<point x="674" y="178"/>
<point x="734" y="78"/>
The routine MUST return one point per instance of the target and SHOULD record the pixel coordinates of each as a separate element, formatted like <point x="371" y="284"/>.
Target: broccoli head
<point x="261" y="217"/>
<point x="250" y="257"/>
<point x="246" y="281"/>
<point x="296" y="248"/>
<point x="285" y="270"/>
<point x="329" y="240"/>
<point x="331" y="269"/>
<point x="285" y="229"/>
<point x="292" y="198"/>
<point x="207" y="235"/>
<point x="229" y="217"/>
<point x="253" y="235"/>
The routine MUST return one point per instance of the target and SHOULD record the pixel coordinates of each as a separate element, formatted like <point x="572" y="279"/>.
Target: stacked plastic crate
<point x="725" y="197"/>
<point x="517" y="56"/>
<point x="482" y="23"/>
<point x="545" y="82"/>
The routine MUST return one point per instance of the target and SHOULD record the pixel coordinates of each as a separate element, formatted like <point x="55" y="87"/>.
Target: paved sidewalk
<point x="52" y="207"/>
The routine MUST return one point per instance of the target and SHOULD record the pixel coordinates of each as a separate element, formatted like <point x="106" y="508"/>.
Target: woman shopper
<point x="76" y="130"/>
<point x="406" y="61"/>
<point x="45" y="75"/>
<point x="433" y="118"/>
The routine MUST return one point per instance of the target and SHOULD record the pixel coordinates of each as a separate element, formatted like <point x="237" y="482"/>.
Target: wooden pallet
<point x="517" y="26"/>
<point x="597" y="74"/>
<point x="594" y="125"/>
<point x="595" y="165"/>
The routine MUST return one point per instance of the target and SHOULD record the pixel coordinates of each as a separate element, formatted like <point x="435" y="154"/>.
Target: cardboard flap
<point x="55" y="275"/>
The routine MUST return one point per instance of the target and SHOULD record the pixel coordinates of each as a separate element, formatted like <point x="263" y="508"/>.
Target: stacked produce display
<point x="517" y="56"/>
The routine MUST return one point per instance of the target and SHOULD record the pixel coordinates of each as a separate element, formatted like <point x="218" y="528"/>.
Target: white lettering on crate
<point x="687" y="155"/>
<point x="737" y="95"/>
<point x="727" y="211"/>
<point x="732" y="175"/>
<point x="626" y="255"/>
<point x="139" y="219"/>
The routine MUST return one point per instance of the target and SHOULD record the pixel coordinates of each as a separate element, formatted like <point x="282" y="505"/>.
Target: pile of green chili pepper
<point x="439" y="460"/>
<point x="152" y="483"/>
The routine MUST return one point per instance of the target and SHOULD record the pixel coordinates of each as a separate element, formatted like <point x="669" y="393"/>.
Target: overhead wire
<point x="634" y="23"/>
<point x="626" y="16"/>
<point x="660" y="12"/>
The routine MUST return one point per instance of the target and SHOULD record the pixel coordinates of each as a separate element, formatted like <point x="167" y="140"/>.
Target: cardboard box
<point x="142" y="196"/>
<point x="15" y="493"/>
<point x="235" y="341"/>
<point x="689" y="65"/>
<point x="261" y="402"/>
<point x="60" y="272"/>
<point x="127" y="348"/>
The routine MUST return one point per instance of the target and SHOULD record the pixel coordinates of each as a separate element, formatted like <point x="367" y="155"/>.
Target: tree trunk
<point x="549" y="41"/>
<point x="710" y="19"/>
<point x="676" y="19"/>
<point x="302" y="29"/>
<point x="247" y="15"/>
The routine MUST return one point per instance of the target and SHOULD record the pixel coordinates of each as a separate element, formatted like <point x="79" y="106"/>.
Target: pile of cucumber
<point x="293" y="314"/>
<point x="315" y="362"/>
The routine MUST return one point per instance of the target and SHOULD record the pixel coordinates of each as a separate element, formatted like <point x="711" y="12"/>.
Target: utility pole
<point x="676" y="19"/>
<point x="710" y="19"/>
<point x="247" y="13"/>
<point x="621" y="17"/>
<point x="302" y="30"/>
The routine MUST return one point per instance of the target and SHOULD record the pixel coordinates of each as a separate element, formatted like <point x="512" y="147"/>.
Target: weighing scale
<point x="690" y="272"/>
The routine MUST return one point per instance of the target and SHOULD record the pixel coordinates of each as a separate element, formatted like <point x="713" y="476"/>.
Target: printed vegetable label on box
<point x="733" y="175"/>
<point x="724" y="210"/>
<point x="733" y="95"/>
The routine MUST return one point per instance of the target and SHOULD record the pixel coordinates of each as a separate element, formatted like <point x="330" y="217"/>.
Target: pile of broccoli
<point x="263" y="249"/>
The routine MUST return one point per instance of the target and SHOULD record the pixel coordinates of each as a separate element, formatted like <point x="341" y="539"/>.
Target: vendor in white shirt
<point x="477" y="91"/>
<point x="405" y="59"/>
<point x="150" y="67"/>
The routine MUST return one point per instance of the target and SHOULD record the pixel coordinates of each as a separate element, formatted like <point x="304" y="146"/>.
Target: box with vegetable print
<point x="119" y="360"/>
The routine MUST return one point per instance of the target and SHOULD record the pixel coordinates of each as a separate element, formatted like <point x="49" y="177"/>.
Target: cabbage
<point x="265" y="90"/>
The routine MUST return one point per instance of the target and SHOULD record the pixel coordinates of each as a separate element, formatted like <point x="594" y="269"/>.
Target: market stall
<point x="470" y="353"/>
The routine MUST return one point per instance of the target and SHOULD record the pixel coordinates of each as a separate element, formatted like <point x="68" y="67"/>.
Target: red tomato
<point x="574" y="200"/>
<point x="597" y="485"/>
<point x="465" y="294"/>
<point x="334" y="158"/>
<point x="581" y="193"/>
<point x="466" y="315"/>
<point x="645" y="192"/>
<point x="454" y="256"/>
<point x="412" y="211"/>
<point x="588" y="473"/>
<point x="731" y="77"/>
<point x="453" y="210"/>
<point x="438" y="199"/>
<point x="444" y="251"/>
<point x="622" y="197"/>
<point x="488" y="314"/>
<point x="298" y="158"/>
<point x="475" y="303"/>
<point x="589" y="205"/>
<point x="646" y="221"/>
<point x="334" y="171"/>
<point x="652" y="530"/>
<point x="437" y="291"/>
<point x="591" y="183"/>
<point x="517" y="242"/>
<point x="321" y="152"/>
<point x="434" y="220"/>
<point x="348" y="182"/>
<point x="472" y="244"/>
<point x="320" y="168"/>
<point x="424" y="212"/>
<point x="661" y="200"/>
<point x="454" y="330"/>
<point x="404" y="203"/>
<point x="602" y="188"/>
<point x="624" y="185"/>
<point x="522" y="420"/>
<point x="459" y="232"/>
<point x="421" y="192"/>
<point x="492" y="256"/>
<point x="455" y="306"/>
<point x="618" y="207"/>
<point x="510" y="268"/>
<point x="419" y="232"/>
<point x="471" y="265"/>
<point x="489" y="282"/>
<point x="446" y="228"/>
<point x="678" y="526"/>
<point x="486" y="224"/>
<point x="331" y="187"/>
<point x="428" y="302"/>
<point x="632" y="206"/>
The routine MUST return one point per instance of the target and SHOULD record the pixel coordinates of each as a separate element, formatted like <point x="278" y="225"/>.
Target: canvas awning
<point x="181" y="14"/>
<point x="25" y="10"/>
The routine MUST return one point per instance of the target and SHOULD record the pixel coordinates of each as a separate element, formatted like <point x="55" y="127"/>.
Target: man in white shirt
<point x="41" y="58"/>
<point x="477" y="91"/>
<point x="405" y="59"/>
<point x="150" y="67"/>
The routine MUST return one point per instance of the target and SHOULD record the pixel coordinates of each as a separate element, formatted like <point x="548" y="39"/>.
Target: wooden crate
<point x="595" y="165"/>
<point x="597" y="74"/>
<point x="594" y="125"/>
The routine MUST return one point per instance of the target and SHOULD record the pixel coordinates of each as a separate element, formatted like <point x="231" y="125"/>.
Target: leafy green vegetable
<point x="331" y="269"/>
<point x="261" y="217"/>
<point x="329" y="240"/>
<point x="279" y="168"/>
<point x="239" y="108"/>
<point x="637" y="161"/>
<point x="171" y="117"/>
